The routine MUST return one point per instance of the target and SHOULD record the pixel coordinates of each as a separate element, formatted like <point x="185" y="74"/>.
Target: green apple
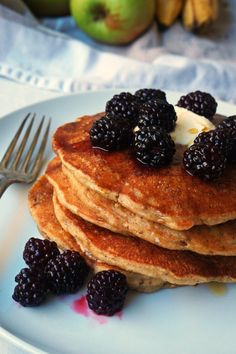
<point x="49" y="7"/>
<point x="113" y="21"/>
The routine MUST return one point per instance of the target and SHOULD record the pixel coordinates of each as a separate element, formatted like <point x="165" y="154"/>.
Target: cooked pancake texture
<point x="168" y="196"/>
<point x="160" y="227"/>
<point x="93" y="207"/>
<point x="41" y="207"/>
<point x="136" y="255"/>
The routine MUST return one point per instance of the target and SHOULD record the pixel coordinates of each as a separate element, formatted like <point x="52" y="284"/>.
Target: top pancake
<point x="168" y="196"/>
<point x="91" y="206"/>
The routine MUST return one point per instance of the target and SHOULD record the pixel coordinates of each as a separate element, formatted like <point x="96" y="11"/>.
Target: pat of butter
<point x="188" y="126"/>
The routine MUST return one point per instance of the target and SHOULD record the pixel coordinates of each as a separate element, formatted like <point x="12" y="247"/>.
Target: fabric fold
<point x="35" y="55"/>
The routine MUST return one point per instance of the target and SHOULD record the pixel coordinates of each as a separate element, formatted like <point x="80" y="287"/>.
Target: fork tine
<point x="22" y="145"/>
<point x="39" y="158"/>
<point x="26" y="162"/>
<point x="12" y="145"/>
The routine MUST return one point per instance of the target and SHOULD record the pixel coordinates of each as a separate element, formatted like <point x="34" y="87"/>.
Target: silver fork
<point x="12" y="169"/>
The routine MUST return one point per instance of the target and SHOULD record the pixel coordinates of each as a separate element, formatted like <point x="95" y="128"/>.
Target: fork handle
<point x="4" y="183"/>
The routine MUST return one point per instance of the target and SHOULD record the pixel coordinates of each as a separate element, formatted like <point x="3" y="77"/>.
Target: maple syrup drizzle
<point x="218" y="289"/>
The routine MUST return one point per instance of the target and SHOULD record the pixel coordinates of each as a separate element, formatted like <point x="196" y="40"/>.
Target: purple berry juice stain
<point x="80" y="306"/>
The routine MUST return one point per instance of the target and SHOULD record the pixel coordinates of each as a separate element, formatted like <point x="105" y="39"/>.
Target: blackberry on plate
<point x="199" y="102"/>
<point x="205" y="161"/>
<point x="157" y="113"/>
<point x="219" y="138"/>
<point x="229" y="123"/>
<point x="123" y="105"/>
<point x="31" y="289"/>
<point x="111" y="134"/>
<point x="37" y="252"/>
<point x="66" y="273"/>
<point x="154" y="147"/>
<point x="106" y="292"/>
<point x="149" y="94"/>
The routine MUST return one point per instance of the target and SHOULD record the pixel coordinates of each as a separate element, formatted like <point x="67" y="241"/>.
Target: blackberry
<point x="106" y="292"/>
<point x="199" y="102"/>
<point x="144" y="95"/>
<point x="231" y="156"/>
<point x="31" y="289"/>
<point x="38" y="252"/>
<point x="157" y="113"/>
<point x="229" y="123"/>
<point x="66" y="273"/>
<point x="205" y="161"/>
<point x="219" y="138"/>
<point x="111" y="134"/>
<point x="154" y="147"/>
<point x="124" y="105"/>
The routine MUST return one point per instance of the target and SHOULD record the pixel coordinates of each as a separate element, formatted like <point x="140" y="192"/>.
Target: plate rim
<point x="230" y="105"/>
<point x="19" y="343"/>
<point x="4" y="333"/>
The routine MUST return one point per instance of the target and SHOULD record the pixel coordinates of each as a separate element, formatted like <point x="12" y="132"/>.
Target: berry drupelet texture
<point x="232" y="154"/>
<point x="157" y="113"/>
<point x="123" y="105"/>
<point x="229" y="123"/>
<point x="199" y="102"/>
<point x="154" y="147"/>
<point x="111" y="134"/>
<point x="149" y="94"/>
<point x="229" y="126"/>
<point x="218" y="138"/>
<point x="106" y="292"/>
<point x="38" y="252"/>
<point x="66" y="273"/>
<point x="31" y="289"/>
<point x="205" y="161"/>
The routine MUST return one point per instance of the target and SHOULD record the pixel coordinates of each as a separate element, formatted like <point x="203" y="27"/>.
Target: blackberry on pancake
<point x="205" y="161"/>
<point x="149" y="94"/>
<point x="109" y="174"/>
<point x="199" y="102"/>
<point x="111" y="134"/>
<point x="153" y="146"/>
<point x="229" y="123"/>
<point x="123" y="105"/>
<point x="229" y="127"/>
<point x="218" y="137"/>
<point x="157" y="113"/>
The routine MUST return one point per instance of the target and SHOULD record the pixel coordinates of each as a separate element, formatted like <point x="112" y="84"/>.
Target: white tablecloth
<point x="68" y="61"/>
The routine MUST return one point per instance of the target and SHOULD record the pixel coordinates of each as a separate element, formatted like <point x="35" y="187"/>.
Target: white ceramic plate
<point x="184" y="320"/>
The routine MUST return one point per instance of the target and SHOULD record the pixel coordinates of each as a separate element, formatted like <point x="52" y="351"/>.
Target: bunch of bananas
<point x="195" y="13"/>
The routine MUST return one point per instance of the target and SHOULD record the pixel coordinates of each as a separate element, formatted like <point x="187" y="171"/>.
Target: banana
<point x="168" y="10"/>
<point x="199" y="13"/>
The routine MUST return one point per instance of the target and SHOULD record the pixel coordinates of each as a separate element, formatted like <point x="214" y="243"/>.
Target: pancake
<point x="93" y="207"/>
<point x="138" y="256"/>
<point x="135" y="255"/>
<point x="168" y="196"/>
<point x="41" y="207"/>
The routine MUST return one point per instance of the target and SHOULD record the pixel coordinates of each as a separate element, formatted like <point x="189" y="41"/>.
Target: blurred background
<point x="54" y="47"/>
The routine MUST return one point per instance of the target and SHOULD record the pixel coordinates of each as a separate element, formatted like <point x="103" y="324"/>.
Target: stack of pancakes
<point x="160" y="227"/>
